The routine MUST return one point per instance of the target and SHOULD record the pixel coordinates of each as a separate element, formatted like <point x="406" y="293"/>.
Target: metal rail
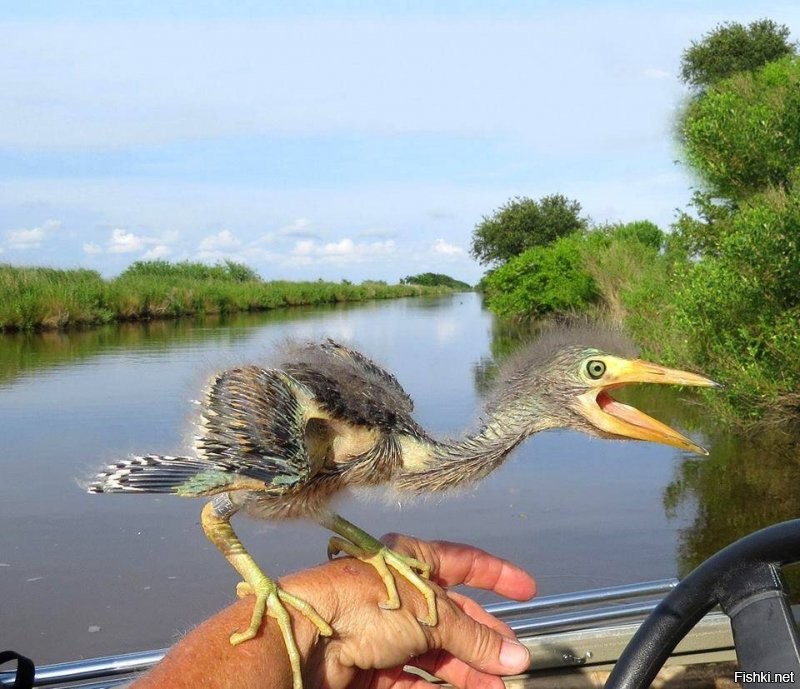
<point x="525" y="619"/>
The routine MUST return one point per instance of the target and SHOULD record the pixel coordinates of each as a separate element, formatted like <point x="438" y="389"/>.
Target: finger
<point x="476" y="644"/>
<point x="477" y="613"/>
<point x="456" y="672"/>
<point x="456" y="563"/>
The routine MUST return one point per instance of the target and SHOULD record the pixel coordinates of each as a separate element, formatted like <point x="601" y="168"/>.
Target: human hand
<point x="370" y="646"/>
<point x="467" y="648"/>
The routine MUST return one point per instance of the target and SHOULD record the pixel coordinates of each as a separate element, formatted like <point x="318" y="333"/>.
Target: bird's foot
<point x="412" y="570"/>
<point x="272" y="600"/>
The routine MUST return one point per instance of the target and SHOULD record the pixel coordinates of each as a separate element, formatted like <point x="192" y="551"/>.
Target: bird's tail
<point x="186" y="476"/>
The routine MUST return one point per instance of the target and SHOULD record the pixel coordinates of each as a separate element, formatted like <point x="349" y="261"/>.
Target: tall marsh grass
<point x="34" y="298"/>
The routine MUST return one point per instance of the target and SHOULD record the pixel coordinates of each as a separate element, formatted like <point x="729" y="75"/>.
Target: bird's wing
<point x="350" y="386"/>
<point x="254" y="423"/>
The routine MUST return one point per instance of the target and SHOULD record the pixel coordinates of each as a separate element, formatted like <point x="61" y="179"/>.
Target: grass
<point x="35" y="298"/>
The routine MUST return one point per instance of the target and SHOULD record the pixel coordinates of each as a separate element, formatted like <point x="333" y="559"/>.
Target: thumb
<point x="481" y="647"/>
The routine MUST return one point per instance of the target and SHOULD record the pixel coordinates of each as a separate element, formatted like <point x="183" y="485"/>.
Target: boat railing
<point x="569" y="630"/>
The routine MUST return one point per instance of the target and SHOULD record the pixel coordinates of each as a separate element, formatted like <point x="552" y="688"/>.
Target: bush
<point x="740" y="310"/>
<point x="743" y="136"/>
<point x="642" y="232"/>
<point x="228" y="271"/>
<point x="435" y="280"/>
<point x="620" y="258"/>
<point x="542" y="280"/>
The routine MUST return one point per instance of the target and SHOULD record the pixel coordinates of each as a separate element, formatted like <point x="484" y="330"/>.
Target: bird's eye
<point x="595" y="368"/>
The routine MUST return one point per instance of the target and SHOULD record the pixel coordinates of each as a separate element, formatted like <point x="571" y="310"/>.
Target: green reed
<point x="36" y="298"/>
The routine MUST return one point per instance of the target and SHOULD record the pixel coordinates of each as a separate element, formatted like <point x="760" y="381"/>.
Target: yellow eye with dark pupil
<point x="596" y="369"/>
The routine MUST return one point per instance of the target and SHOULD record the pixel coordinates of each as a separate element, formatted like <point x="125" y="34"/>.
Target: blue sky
<point x="332" y="139"/>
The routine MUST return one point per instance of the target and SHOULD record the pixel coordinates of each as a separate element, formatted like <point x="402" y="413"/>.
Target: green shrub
<point x="542" y="280"/>
<point x="620" y="258"/>
<point x="743" y="135"/>
<point x="227" y="270"/>
<point x="740" y="310"/>
<point x="435" y="280"/>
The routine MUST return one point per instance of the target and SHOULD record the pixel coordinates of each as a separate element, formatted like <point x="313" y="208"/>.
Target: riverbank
<point x="35" y="298"/>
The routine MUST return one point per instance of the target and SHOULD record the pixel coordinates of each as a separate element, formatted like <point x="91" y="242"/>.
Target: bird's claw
<point x="272" y="600"/>
<point x="416" y="572"/>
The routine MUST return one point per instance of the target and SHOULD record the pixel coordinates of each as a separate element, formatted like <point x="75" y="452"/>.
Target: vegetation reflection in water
<point x="748" y="481"/>
<point x="28" y="351"/>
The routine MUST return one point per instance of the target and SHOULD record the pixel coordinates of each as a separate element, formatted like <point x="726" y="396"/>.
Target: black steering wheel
<point x="745" y="580"/>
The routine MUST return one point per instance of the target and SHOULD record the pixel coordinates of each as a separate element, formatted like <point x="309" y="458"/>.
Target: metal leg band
<point x="223" y="506"/>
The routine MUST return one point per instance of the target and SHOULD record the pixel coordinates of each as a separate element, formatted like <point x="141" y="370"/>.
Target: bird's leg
<point x="359" y="544"/>
<point x="270" y="598"/>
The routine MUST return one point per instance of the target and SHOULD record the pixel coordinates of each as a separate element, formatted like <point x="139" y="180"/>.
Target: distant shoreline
<point x="34" y="298"/>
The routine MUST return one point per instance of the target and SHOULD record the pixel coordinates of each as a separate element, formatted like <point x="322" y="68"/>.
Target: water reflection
<point x="743" y="485"/>
<point x="27" y="353"/>
<point x="578" y="512"/>
<point x="747" y="482"/>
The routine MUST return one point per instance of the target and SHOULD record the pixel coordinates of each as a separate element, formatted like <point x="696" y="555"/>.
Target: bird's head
<point x="570" y="386"/>
<point x="593" y="375"/>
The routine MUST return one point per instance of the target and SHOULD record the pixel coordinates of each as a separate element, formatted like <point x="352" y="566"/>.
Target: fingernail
<point x="514" y="655"/>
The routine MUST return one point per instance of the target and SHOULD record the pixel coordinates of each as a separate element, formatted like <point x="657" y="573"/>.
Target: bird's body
<point x="281" y="442"/>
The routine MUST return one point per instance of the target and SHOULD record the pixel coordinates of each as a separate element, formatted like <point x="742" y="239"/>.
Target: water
<point x="84" y="575"/>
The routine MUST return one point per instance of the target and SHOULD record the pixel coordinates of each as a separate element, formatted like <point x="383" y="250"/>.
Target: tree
<point x="736" y="304"/>
<point x="522" y="224"/>
<point x="744" y="135"/>
<point x="435" y="280"/>
<point x="732" y="47"/>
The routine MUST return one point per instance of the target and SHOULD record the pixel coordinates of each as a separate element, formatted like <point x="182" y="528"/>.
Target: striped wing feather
<point x="254" y="424"/>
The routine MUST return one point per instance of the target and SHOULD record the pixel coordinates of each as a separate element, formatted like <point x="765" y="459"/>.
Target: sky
<point x="336" y="139"/>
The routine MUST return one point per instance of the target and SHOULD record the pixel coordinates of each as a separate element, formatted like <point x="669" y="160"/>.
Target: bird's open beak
<point x="613" y="417"/>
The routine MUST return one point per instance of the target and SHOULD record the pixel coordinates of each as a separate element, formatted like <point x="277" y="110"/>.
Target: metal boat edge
<point x="582" y="632"/>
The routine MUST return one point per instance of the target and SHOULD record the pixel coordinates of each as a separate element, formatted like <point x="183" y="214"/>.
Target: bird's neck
<point x="432" y="465"/>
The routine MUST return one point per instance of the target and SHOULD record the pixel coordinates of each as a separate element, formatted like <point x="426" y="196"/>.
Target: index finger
<point x="457" y="563"/>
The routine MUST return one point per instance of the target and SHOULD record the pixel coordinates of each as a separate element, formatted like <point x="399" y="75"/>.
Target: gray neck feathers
<point x="459" y="463"/>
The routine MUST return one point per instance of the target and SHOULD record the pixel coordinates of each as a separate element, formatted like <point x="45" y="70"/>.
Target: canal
<point x="86" y="575"/>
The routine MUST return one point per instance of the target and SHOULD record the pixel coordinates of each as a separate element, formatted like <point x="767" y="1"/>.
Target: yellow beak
<point x="625" y="421"/>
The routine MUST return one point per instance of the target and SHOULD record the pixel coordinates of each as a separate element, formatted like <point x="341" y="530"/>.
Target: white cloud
<point x="344" y="251"/>
<point x="158" y="251"/>
<point x="440" y="246"/>
<point x="304" y="247"/>
<point x="124" y="242"/>
<point x="25" y="239"/>
<point x="219" y="242"/>
<point x="32" y="238"/>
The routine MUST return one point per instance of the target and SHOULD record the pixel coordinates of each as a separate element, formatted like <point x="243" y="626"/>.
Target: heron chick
<point x="279" y="443"/>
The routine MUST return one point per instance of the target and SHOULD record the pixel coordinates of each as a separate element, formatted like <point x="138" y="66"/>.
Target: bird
<point x="279" y="442"/>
